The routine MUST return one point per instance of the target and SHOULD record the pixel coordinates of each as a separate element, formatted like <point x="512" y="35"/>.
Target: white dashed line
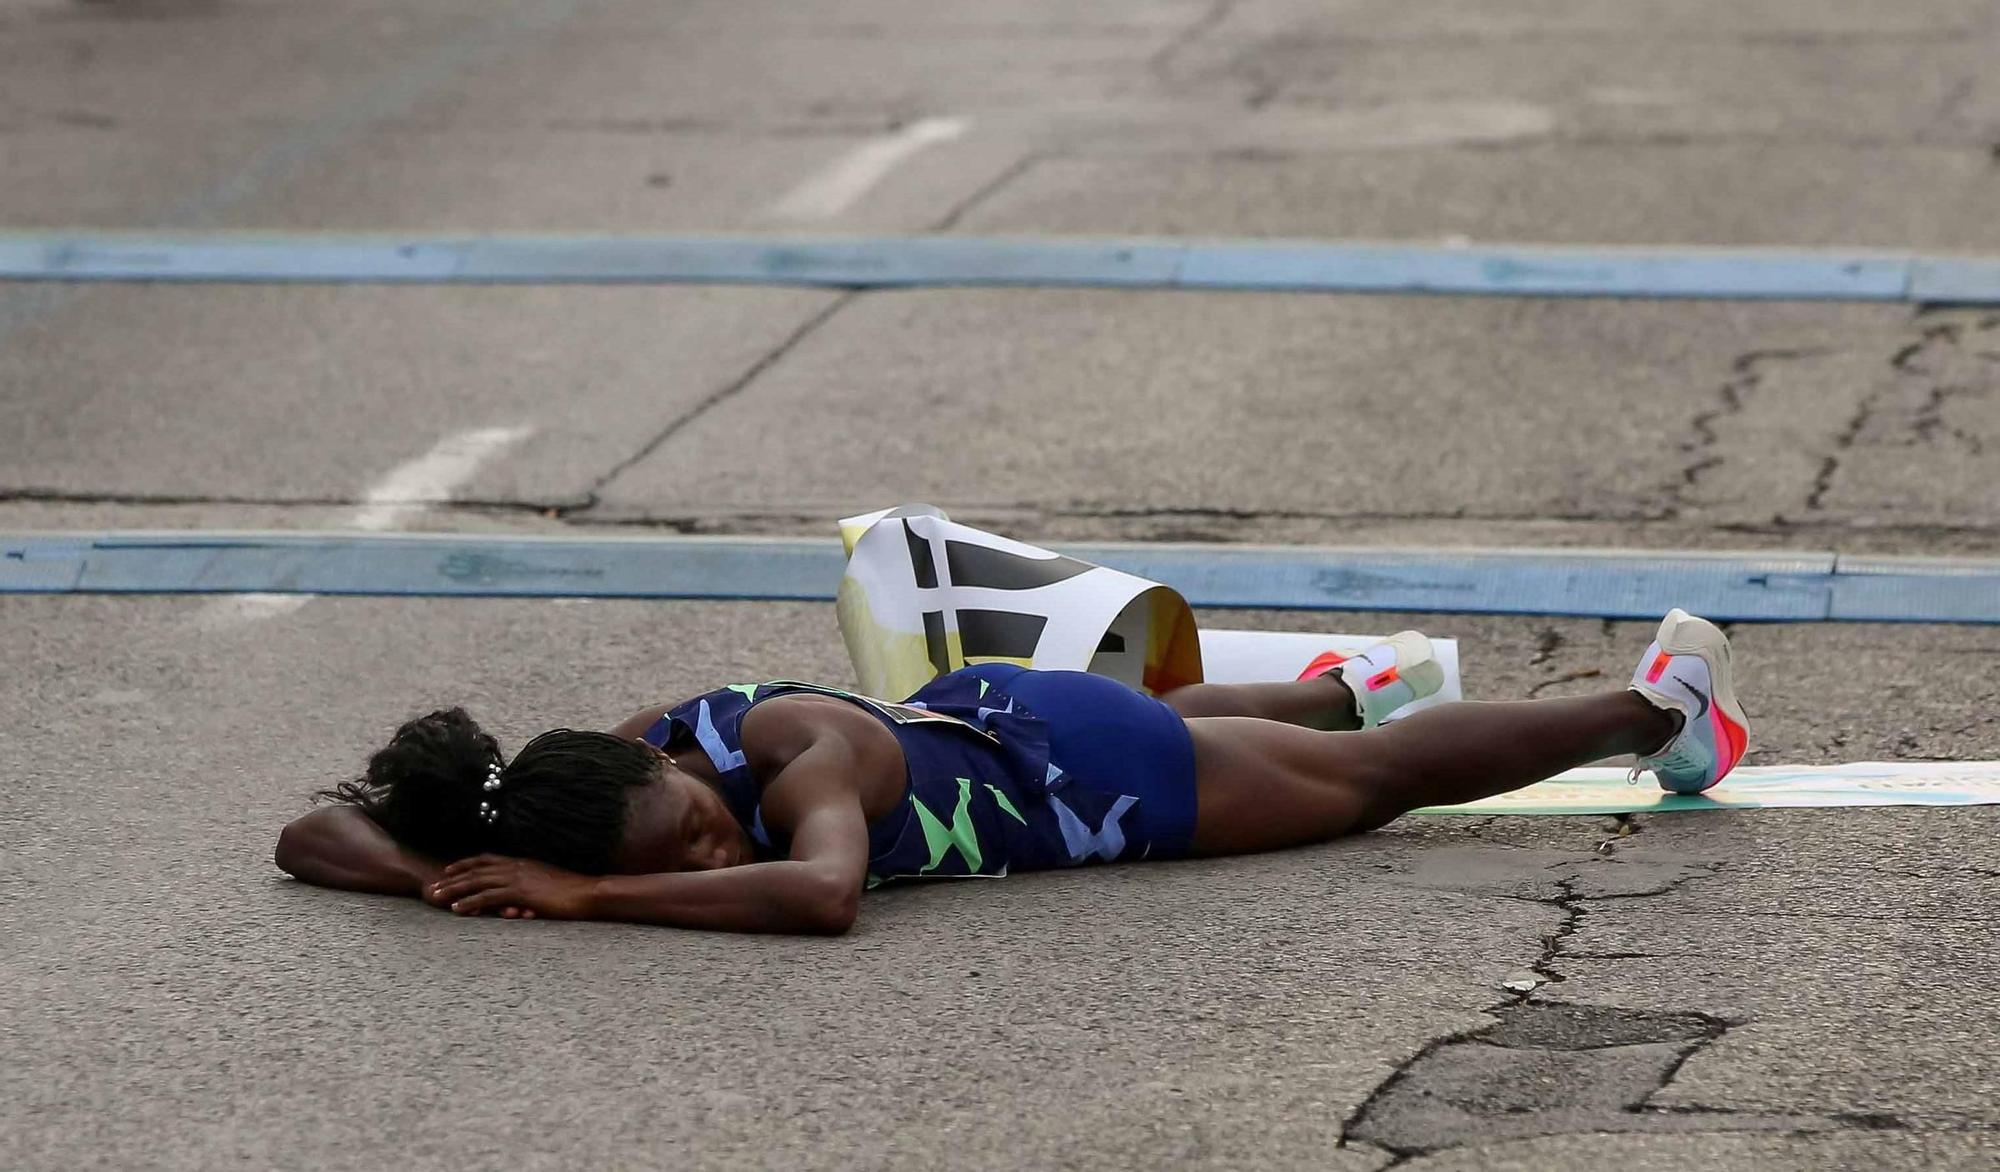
<point x="232" y="610"/>
<point x="432" y="477"/>
<point x="400" y="496"/>
<point x="835" y="187"/>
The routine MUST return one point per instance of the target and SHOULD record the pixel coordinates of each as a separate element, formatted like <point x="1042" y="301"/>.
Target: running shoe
<point x="1686" y="670"/>
<point x="1398" y="671"/>
<point x="1322" y="663"/>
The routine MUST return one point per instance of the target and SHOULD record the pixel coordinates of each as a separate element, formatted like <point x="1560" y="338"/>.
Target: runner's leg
<point x="1322" y="702"/>
<point x="1261" y="785"/>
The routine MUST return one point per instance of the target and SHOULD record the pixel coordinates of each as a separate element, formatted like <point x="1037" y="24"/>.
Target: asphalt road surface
<point x="1728" y="990"/>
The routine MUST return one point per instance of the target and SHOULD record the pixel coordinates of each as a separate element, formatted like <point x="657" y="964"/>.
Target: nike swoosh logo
<point x="1698" y="694"/>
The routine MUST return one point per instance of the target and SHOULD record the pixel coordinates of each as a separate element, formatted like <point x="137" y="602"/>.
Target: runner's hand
<point x="512" y="887"/>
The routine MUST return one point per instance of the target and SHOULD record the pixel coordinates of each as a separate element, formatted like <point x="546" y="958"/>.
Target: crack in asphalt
<point x="32" y="494"/>
<point x="581" y="511"/>
<point x="1871" y="423"/>
<point x="1746" y="375"/>
<point x="723" y="394"/>
<point x="1196" y="29"/>
<point x="1573" y="913"/>
<point x="1190" y="514"/>
<point x="1830" y="463"/>
<point x="1927" y="530"/>
<point x="38" y="495"/>
<point x="1919" y="359"/>
<point x="987" y="190"/>
<point x="1531" y="1038"/>
<point x="1190" y="517"/>
<point x="1928" y="420"/>
<point x="1350" y="1125"/>
<point x="1238" y="513"/>
<point x="1453" y="1087"/>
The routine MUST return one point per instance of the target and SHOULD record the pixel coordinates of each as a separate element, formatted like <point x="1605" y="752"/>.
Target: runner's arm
<point x="634" y="727"/>
<point x="817" y="889"/>
<point x="341" y="846"/>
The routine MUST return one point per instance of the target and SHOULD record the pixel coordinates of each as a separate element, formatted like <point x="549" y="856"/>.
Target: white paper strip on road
<point x="1599" y="790"/>
<point x="1252" y="657"/>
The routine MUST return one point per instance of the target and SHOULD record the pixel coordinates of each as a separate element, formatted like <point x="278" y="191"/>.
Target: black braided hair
<point x="562" y="799"/>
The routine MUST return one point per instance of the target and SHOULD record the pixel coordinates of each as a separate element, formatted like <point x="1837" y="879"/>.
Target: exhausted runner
<point x="770" y="807"/>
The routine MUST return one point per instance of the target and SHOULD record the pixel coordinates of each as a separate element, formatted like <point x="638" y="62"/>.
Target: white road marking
<point x="232" y="610"/>
<point x="835" y="187"/>
<point x="431" y="477"/>
<point x="405" y="492"/>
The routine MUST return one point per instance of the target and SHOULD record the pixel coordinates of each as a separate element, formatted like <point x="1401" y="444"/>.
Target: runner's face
<point x="679" y="824"/>
<point x="707" y="836"/>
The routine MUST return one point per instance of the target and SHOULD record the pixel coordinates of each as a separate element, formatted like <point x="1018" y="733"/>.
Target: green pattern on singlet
<point x="749" y="691"/>
<point x="961" y="833"/>
<point x="1006" y="805"/>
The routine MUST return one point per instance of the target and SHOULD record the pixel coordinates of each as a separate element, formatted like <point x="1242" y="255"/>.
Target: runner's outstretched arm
<point x="342" y="847"/>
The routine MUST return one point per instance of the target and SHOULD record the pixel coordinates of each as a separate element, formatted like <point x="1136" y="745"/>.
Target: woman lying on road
<point x="770" y="807"/>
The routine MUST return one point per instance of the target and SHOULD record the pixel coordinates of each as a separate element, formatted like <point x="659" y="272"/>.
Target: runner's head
<point x="680" y="824"/>
<point x="441" y="787"/>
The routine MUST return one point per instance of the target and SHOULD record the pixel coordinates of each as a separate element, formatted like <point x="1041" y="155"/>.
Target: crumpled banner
<point x="924" y="595"/>
<point x="1598" y="790"/>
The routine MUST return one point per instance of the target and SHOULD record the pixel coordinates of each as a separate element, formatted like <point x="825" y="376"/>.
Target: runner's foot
<point x="1686" y="670"/>
<point x="1398" y="671"/>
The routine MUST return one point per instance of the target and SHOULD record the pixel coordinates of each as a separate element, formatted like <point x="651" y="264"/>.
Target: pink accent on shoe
<point x="1323" y="663"/>
<point x="1730" y="737"/>
<point x="1382" y="679"/>
<point x="1658" y="669"/>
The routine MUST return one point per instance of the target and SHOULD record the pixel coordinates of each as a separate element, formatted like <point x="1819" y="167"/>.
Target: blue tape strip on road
<point x="1794" y="587"/>
<point x="916" y="261"/>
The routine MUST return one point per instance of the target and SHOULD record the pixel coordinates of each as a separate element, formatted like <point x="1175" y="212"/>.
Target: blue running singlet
<point x="1009" y="769"/>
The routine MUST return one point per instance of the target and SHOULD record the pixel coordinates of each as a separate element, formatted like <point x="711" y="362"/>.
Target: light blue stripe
<point x="420" y="565"/>
<point x="1955" y="280"/>
<point x="917" y="261"/>
<point x="1795" y="587"/>
<point x="1607" y="585"/>
<point x="1548" y="272"/>
<point x="1891" y="588"/>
